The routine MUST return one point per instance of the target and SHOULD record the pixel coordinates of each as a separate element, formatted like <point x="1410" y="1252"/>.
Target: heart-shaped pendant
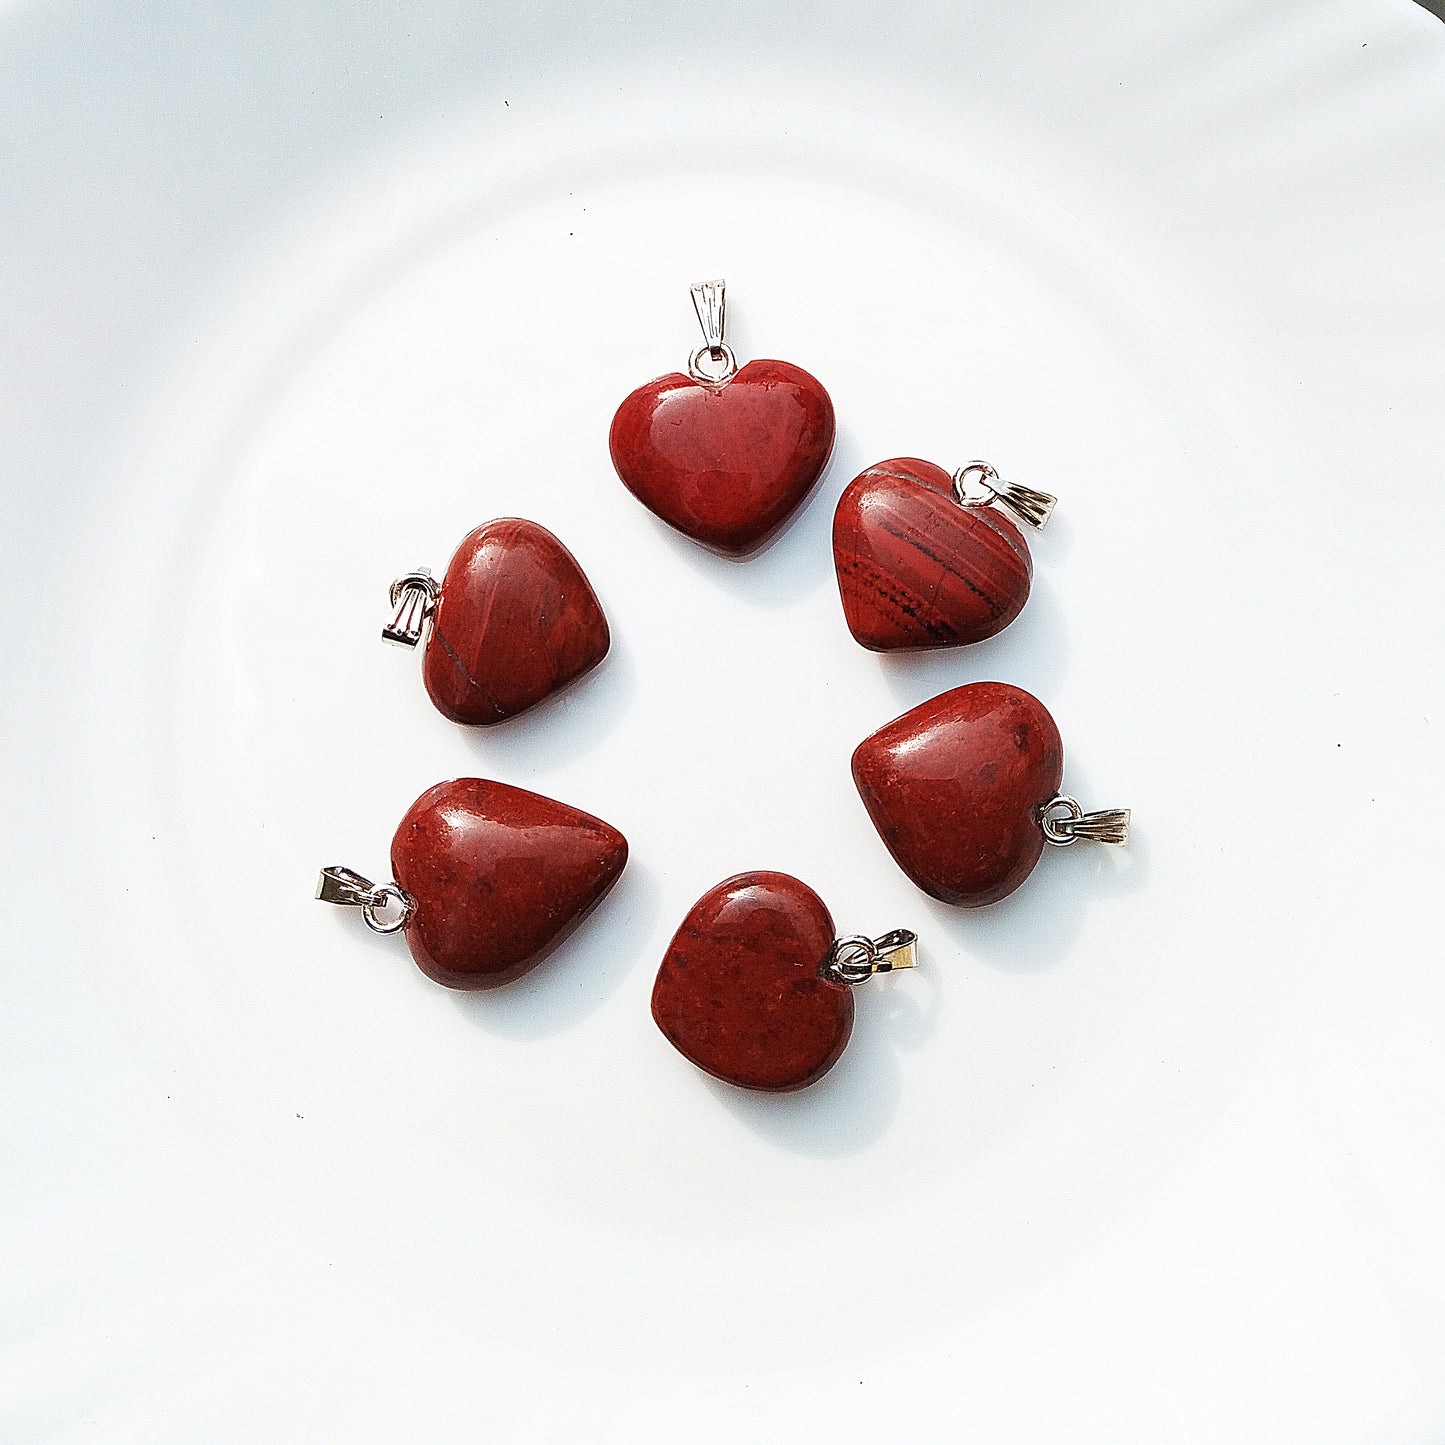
<point x="964" y="791"/>
<point x="723" y="455"/>
<point x="489" y="879"/>
<point x="513" y="621"/>
<point x="925" y="559"/>
<point x="755" y="989"/>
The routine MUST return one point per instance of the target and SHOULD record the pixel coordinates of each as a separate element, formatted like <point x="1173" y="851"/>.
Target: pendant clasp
<point x="709" y="300"/>
<point x="1064" y="822"/>
<point x="349" y="889"/>
<point x="857" y="957"/>
<point x="413" y="600"/>
<point x="1025" y="503"/>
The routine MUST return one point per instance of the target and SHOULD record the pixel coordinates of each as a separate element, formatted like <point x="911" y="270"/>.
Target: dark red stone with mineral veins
<point x="499" y="875"/>
<point x="916" y="569"/>
<point x="516" y="620"/>
<point x="954" y="787"/>
<point x="740" y="992"/>
<point x="725" y="464"/>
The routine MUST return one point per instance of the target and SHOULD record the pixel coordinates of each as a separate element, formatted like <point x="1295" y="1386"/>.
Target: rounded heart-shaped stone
<point x="741" y="993"/>
<point x="918" y="569"/>
<point x="955" y="785"/>
<point x="725" y="464"/>
<point x="499" y="877"/>
<point x="516" y="620"/>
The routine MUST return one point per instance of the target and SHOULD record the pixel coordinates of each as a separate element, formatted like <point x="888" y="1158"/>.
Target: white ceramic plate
<point x="294" y="296"/>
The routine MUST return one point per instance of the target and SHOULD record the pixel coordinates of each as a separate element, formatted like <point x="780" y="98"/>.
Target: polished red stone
<point x="725" y="464"/>
<point x="954" y="787"/>
<point x="740" y="993"/>
<point x="916" y="569"/>
<point x="500" y="876"/>
<point x="516" y="621"/>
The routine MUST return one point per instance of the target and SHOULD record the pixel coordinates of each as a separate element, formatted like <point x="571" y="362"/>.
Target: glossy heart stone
<point x="740" y="991"/>
<point x="725" y="464"/>
<point x="955" y="785"/>
<point x="499" y="876"/>
<point x="516" y="620"/>
<point x="917" y="569"/>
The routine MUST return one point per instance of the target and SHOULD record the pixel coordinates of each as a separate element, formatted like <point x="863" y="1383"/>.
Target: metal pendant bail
<point x="709" y="300"/>
<point x="1064" y="822"/>
<point x="856" y="958"/>
<point x="385" y="907"/>
<point x="980" y="479"/>
<point x="413" y="600"/>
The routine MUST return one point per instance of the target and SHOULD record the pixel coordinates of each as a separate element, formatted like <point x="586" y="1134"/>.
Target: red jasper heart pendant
<point x="514" y="620"/>
<point x="489" y="879"/>
<point x="964" y="791"/>
<point x="918" y="569"/>
<point x="755" y="989"/>
<point x="724" y="456"/>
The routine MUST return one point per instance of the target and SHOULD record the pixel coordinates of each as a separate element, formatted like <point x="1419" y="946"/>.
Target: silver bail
<point x="344" y="886"/>
<point x="1025" y="503"/>
<point x="349" y="889"/>
<point x="709" y="300"/>
<point x="857" y="957"/>
<point x="1065" y="822"/>
<point x="413" y="600"/>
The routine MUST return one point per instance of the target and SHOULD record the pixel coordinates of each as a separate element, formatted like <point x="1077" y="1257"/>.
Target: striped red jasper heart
<point x="919" y="569"/>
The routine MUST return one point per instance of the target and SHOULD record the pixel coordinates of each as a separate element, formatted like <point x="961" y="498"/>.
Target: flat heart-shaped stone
<point x="954" y="787"/>
<point x="916" y="568"/>
<point x="516" y="620"/>
<point x="499" y="876"/>
<point x="740" y="991"/>
<point x="725" y="464"/>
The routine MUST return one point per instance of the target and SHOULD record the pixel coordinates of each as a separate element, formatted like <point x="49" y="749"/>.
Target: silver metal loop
<point x="1064" y="823"/>
<point x="984" y="493"/>
<point x="383" y="898"/>
<point x="349" y="889"/>
<point x="977" y="484"/>
<point x="856" y="958"/>
<point x="851" y="959"/>
<point x="722" y="354"/>
<point x="413" y="600"/>
<point x="1055" y="815"/>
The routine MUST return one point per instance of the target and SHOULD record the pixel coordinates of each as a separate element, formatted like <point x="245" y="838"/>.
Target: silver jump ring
<point x="380" y="897"/>
<point x="1056" y="828"/>
<point x="723" y="354"/>
<point x="986" y="475"/>
<point x="852" y="959"/>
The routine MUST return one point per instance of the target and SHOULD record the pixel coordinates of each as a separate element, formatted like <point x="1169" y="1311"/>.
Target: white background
<point x="293" y="299"/>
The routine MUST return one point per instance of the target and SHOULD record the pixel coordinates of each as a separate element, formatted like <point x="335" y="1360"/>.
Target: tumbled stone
<point x="500" y="876"/>
<point x="516" y="621"/>
<point x="955" y="785"/>
<point x="740" y="992"/>
<point x="725" y="464"/>
<point x="916" y="569"/>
